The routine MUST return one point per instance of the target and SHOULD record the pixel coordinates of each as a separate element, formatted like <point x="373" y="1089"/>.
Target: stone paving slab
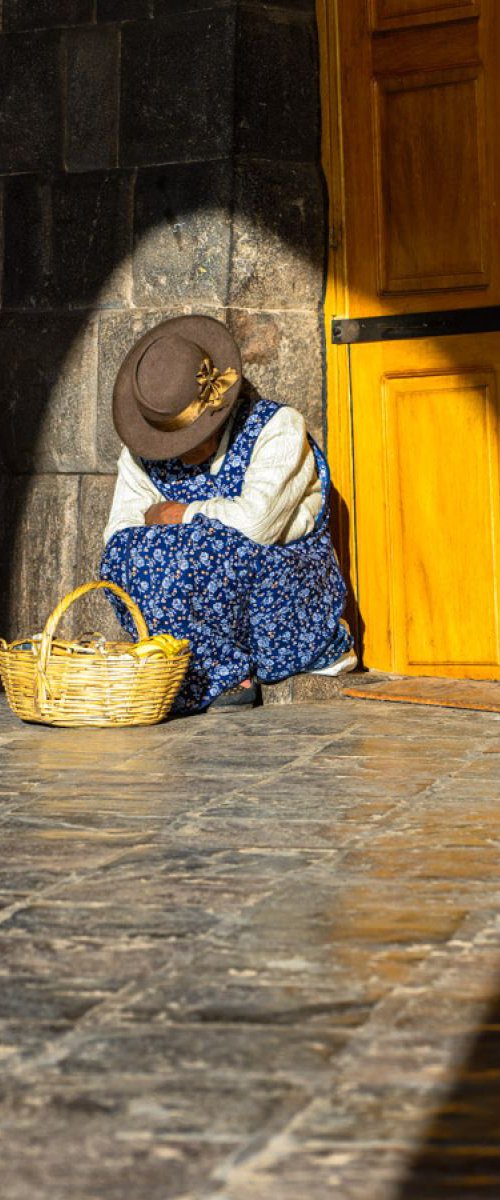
<point x="252" y="955"/>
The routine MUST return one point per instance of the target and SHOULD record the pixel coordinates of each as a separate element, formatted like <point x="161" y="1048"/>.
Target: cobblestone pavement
<point x="252" y="955"/>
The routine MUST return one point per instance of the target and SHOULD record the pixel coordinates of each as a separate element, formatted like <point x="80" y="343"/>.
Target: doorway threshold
<point x="480" y="695"/>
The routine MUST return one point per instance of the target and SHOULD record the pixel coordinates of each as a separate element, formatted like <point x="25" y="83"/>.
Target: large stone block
<point x="277" y="257"/>
<point x="92" y="98"/>
<point x="182" y="234"/>
<point x="91" y="239"/>
<point x="301" y="5"/>
<point x="68" y="242"/>
<point x="277" y="693"/>
<point x="30" y="102"/>
<point x="177" y="88"/>
<point x="27" y="252"/>
<point x="315" y="689"/>
<point x="283" y="359"/>
<point x="163" y="8"/>
<point x="123" y="10"/>
<point x="42" y="14"/>
<point x="2" y="236"/>
<point x="117" y="333"/>
<point x="38" y="550"/>
<point x="94" y="612"/>
<point x="277" y="95"/>
<point x="48" y="380"/>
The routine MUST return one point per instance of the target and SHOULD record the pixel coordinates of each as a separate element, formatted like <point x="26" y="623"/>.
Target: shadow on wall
<point x="59" y="360"/>
<point x="231" y="222"/>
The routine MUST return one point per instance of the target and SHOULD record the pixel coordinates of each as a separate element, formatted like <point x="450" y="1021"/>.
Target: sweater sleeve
<point x="281" y="489"/>
<point x="133" y="495"/>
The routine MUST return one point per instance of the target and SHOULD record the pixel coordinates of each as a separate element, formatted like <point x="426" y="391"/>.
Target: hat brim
<point x="135" y="431"/>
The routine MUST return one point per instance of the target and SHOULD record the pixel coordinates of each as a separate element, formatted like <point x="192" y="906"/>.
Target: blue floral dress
<point x="266" y="611"/>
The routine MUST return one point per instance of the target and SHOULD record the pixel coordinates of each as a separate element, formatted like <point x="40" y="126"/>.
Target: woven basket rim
<point x="62" y="681"/>
<point x="106" y="648"/>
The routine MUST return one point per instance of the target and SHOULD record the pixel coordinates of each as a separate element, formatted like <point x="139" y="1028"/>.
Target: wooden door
<point x="420" y="103"/>
<point x="427" y="437"/>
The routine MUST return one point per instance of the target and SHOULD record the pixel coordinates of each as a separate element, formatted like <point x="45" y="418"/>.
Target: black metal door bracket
<point x="351" y="330"/>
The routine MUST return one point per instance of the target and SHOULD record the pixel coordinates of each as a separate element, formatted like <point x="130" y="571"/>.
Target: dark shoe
<point x="238" y="697"/>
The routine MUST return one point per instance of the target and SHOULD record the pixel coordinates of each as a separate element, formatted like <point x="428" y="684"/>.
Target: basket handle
<point x="55" y="616"/>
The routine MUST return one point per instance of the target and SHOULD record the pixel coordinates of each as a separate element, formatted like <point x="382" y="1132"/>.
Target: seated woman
<point x="219" y="524"/>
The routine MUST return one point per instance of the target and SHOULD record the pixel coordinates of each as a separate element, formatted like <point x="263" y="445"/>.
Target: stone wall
<point x="157" y="157"/>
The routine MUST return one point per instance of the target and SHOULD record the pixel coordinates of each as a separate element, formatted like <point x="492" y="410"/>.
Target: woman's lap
<point x="191" y="581"/>
<point x="246" y="609"/>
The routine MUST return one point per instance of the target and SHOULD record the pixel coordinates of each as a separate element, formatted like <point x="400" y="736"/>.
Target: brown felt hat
<point x="176" y="386"/>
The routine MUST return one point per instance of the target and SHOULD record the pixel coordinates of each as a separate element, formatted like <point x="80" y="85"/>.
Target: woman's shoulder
<point x="283" y="416"/>
<point x="261" y="419"/>
<point x="130" y="467"/>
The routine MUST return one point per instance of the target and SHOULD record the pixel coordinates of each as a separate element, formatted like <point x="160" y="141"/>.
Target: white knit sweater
<point x="281" y="495"/>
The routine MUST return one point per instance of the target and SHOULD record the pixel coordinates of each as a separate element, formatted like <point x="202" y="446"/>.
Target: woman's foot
<point x="247" y="693"/>
<point x="347" y="662"/>
<point x="338" y="656"/>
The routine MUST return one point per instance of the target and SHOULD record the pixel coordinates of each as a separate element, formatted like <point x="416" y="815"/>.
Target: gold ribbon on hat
<point x="213" y="385"/>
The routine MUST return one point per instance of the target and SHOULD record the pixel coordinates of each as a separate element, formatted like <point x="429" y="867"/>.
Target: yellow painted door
<point x="427" y="437"/>
<point x="420" y="97"/>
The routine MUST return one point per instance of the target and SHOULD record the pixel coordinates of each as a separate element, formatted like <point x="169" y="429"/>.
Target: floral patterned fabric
<point x="247" y="609"/>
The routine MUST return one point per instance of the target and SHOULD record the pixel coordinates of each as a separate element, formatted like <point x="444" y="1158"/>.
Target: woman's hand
<point x="167" y="512"/>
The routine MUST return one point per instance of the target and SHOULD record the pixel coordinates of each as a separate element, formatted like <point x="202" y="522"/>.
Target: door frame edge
<point x="339" y="429"/>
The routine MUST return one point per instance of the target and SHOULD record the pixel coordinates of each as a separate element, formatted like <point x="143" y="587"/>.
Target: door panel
<point x="421" y="105"/>
<point x="390" y="14"/>
<point x="430" y="234"/>
<point x="427" y="438"/>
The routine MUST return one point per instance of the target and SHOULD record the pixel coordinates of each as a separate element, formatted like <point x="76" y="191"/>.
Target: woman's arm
<point x="281" y="495"/>
<point x="133" y="496"/>
<point x="167" y="512"/>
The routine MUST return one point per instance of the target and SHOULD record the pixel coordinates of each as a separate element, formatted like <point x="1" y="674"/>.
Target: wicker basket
<point x="91" y="681"/>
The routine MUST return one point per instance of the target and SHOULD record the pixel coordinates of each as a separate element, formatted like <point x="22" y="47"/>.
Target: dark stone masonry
<point x="156" y="158"/>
